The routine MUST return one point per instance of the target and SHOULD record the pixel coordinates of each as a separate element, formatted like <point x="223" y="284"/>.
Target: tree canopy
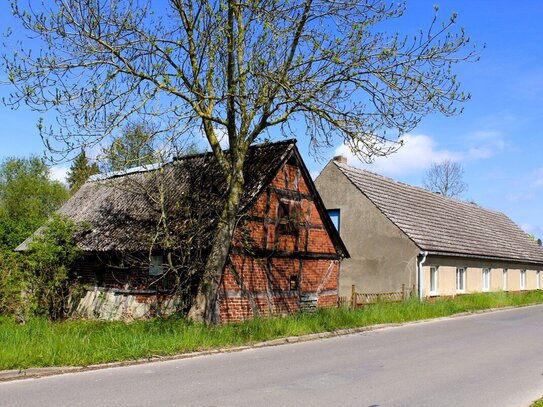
<point x="238" y="69"/>
<point x="27" y="198"/>
<point x="133" y="147"/>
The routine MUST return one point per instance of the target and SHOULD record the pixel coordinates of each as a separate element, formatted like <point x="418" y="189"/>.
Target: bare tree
<point x="445" y="178"/>
<point x="234" y="68"/>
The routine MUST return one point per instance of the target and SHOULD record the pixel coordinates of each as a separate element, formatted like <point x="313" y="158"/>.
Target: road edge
<point x="35" y="373"/>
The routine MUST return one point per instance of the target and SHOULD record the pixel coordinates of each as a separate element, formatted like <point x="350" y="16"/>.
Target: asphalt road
<point x="493" y="359"/>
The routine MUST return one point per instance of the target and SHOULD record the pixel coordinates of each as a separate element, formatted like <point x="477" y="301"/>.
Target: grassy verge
<point x="538" y="403"/>
<point x="78" y="343"/>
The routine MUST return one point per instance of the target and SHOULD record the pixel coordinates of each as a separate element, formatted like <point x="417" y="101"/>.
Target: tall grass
<point x="41" y="343"/>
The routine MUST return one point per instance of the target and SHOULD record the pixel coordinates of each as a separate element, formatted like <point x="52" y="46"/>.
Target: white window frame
<point x="523" y="279"/>
<point x="538" y="280"/>
<point x="504" y="280"/>
<point x="485" y="281"/>
<point x="435" y="289"/>
<point x="460" y="271"/>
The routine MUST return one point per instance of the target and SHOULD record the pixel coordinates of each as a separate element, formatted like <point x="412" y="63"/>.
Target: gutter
<point x="423" y="254"/>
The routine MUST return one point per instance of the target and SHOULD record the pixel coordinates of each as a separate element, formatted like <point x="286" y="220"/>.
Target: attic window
<point x="289" y="216"/>
<point x="156" y="265"/>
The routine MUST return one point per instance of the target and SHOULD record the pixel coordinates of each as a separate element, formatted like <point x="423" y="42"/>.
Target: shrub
<point x="46" y="266"/>
<point x="12" y="284"/>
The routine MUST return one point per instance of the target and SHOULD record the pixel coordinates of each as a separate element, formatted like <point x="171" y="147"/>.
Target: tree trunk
<point x="205" y="307"/>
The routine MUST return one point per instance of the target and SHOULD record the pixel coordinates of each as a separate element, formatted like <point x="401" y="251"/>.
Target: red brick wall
<point x="264" y="258"/>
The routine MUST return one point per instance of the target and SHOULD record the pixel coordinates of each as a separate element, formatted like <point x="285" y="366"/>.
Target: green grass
<point x="538" y="403"/>
<point x="41" y="343"/>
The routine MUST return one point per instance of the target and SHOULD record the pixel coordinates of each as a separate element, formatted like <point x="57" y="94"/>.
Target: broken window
<point x="156" y="265"/>
<point x="289" y="216"/>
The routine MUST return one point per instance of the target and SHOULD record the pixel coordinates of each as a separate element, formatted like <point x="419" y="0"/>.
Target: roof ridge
<point x="252" y="146"/>
<point x="421" y="189"/>
<point x="155" y="166"/>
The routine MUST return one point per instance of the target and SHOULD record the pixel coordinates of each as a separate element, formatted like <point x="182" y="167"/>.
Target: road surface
<point x="493" y="359"/>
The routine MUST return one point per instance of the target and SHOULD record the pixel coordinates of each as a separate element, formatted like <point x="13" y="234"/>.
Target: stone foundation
<point x="111" y="305"/>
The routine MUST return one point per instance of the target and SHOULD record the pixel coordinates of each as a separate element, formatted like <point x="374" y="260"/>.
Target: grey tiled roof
<point x="445" y="225"/>
<point x="124" y="210"/>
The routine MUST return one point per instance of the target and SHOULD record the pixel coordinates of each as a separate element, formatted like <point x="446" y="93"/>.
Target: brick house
<point x="398" y="234"/>
<point x="150" y="231"/>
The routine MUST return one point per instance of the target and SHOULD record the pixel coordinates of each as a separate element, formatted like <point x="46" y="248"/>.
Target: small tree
<point x="134" y="147"/>
<point x="80" y="171"/>
<point x="445" y="178"/>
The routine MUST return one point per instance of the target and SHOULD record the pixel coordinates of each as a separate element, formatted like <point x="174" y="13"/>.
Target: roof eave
<point x="482" y="256"/>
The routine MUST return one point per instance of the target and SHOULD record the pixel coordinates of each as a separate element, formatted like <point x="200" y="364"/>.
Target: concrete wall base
<point x="109" y="305"/>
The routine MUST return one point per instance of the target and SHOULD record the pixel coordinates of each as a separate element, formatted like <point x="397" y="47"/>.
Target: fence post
<point x="353" y="296"/>
<point x="403" y="292"/>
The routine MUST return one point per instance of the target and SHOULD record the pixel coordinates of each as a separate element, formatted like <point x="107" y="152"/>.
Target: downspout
<point x="423" y="254"/>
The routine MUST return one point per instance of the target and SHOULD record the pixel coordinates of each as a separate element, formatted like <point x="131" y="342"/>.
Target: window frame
<point x="294" y="282"/>
<point x="522" y="281"/>
<point x="505" y="285"/>
<point x="333" y="213"/>
<point x="485" y="278"/>
<point x="538" y="280"/>
<point x="460" y="271"/>
<point x="434" y="290"/>
<point x="289" y="216"/>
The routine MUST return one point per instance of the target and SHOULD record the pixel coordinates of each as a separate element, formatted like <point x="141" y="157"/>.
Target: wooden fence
<point x="358" y="300"/>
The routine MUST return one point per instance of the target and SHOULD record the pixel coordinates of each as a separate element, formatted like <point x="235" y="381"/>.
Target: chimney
<point x="340" y="159"/>
<point x="539" y="242"/>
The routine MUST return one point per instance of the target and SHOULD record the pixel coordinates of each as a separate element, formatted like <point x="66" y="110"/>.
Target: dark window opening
<point x="289" y="216"/>
<point x="293" y="283"/>
<point x="99" y="278"/>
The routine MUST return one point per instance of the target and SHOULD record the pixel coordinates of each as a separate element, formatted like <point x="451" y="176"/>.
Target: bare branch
<point x="445" y="178"/>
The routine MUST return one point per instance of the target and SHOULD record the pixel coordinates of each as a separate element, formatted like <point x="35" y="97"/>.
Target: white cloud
<point x="222" y="135"/>
<point x="58" y="173"/>
<point x="485" y="144"/>
<point x="418" y="152"/>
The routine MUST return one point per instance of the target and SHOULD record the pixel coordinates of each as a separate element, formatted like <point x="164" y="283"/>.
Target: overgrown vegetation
<point x="37" y="283"/>
<point x="32" y="285"/>
<point x="78" y="343"/>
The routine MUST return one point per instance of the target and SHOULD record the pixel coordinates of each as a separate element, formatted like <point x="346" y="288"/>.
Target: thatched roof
<point x="442" y="225"/>
<point x="124" y="210"/>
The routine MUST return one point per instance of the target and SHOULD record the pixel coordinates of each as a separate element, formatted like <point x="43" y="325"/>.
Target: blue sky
<point x="497" y="139"/>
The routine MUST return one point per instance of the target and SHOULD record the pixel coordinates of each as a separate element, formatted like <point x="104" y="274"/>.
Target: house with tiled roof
<point x="398" y="234"/>
<point x="149" y="232"/>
